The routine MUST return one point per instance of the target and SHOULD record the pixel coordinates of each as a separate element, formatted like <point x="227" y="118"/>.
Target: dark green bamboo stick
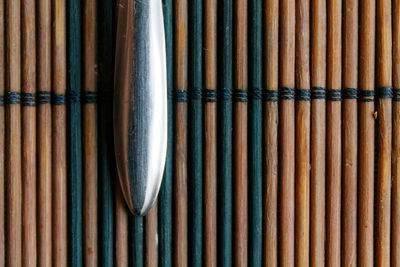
<point x="255" y="133"/>
<point x="195" y="179"/>
<point x="225" y="130"/>
<point x="74" y="134"/>
<point x="107" y="172"/>
<point x="136" y="246"/>
<point x="165" y="197"/>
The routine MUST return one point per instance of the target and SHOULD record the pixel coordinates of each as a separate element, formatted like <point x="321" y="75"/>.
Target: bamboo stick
<point x="59" y="189"/>
<point x="240" y="135"/>
<point x="302" y="133"/>
<point x="44" y="125"/>
<point x="151" y="259"/>
<point x="2" y="134"/>
<point x="318" y="132"/>
<point x="270" y="166"/>
<point x="287" y="138"/>
<point x="395" y="234"/>
<point x="349" y="159"/>
<point x="333" y="133"/>
<point x="180" y="251"/>
<point x="135" y="241"/>
<point x="29" y="251"/>
<point x="90" y="134"/>
<point x="210" y="134"/>
<point x="121" y="228"/>
<point x="384" y="83"/>
<point x="13" y="135"/>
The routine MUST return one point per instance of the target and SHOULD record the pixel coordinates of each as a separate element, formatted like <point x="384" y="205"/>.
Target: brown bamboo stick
<point x="121" y="228"/>
<point x="44" y="134"/>
<point x="365" y="235"/>
<point x="29" y="250"/>
<point x="287" y="137"/>
<point x="384" y="82"/>
<point x="180" y="241"/>
<point x="59" y="171"/>
<point x="2" y="133"/>
<point x="270" y="135"/>
<point x="210" y="135"/>
<point x="333" y="171"/>
<point x="90" y="134"/>
<point x="395" y="234"/>
<point x="349" y="159"/>
<point x="240" y="136"/>
<point x="13" y="135"/>
<point x="318" y="132"/>
<point x="151" y="224"/>
<point x="302" y="231"/>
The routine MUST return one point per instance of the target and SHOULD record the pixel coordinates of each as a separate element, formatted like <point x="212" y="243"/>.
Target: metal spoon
<point x="140" y="102"/>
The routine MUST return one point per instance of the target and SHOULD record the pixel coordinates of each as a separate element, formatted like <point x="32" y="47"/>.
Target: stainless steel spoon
<point x="140" y="102"/>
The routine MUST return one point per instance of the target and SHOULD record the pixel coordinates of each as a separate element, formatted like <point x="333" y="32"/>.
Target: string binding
<point x="180" y="95"/>
<point x="333" y="95"/>
<point x="367" y="95"/>
<point x="318" y="93"/>
<point x="210" y="95"/>
<point x="350" y="93"/>
<point x="240" y="95"/>
<point x="286" y="93"/>
<point x="303" y="95"/>
<point x="270" y="95"/>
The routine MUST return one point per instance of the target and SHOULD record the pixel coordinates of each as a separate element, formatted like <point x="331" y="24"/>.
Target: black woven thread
<point x="350" y="93"/>
<point x="1" y="100"/>
<point x="74" y="97"/>
<point x="385" y="92"/>
<point x="210" y="95"/>
<point x="28" y="99"/>
<point x="13" y="97"/>
<point x="194" y="93"/>
<point x="286" y="93"/>
<point x="58" y="99"/>
<point x="396" y="95"/>
<point x="225" y="94"/>
<point x="270" y="95"/>
<point x="89" y="97"/>
<point x="180" y="95"/>
<point x="333" y="95"/>
<point x="170" y="93"/>
<point x="240" y="95"/>
<point x="303" y="95"/>
<point x="318" y="93"/>
<point x="366" y="95"/>
<point x="255" y="94"/>
<point x="44" y="97"/>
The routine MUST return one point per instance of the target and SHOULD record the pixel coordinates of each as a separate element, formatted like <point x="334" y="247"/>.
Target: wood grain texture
<point x="151" y="233"/>
<point x="365" y="234"/>
<point x="2" y="134"/>
<point x="29" y="249"/>
<point x="90" y="184"/>
<point x="59" y="170"/>
<point x="349" y="120"/>
<point x="302" y="228"/>
<point x="13" y="137"/>
<point x="318" y="133"/>
<point x="333" y="134"/>
<point x="121" y="228"/>
<point x="384" y="78"/>
<point x="210" y="136"/>
<point x="270" y="136"/>
<point x="287" y="133"/>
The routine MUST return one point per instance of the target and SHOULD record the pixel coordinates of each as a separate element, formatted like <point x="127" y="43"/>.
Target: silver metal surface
<point x="140" y="102"/>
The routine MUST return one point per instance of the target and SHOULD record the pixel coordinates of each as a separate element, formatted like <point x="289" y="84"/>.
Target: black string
<point x="318" y="93"/>
<point x="286" y="93"/>
<point x="44" y="97"/>
<point x="210" y="95"/>
<point x="240" y="95"/>
<point x="333" y="95"/>
<point x="367" y="95"/>
<point x="89" y="97"/>
<point x="255" y="93"/>
<point x="195" y="93"/>
<point x="13" y="97"/>
<point x="1" y="100"/>
<point x="74" y="96"/>
<point x="180" y="95"/>
<point x="28" y="99"/>
<point x="58" y="99"/>
<point x="396" y="95"/>
<point x="225" y="94"/>
<point x="350" y="93"/>
<point x="270" y="95"/>
<point x="303" y="95"/>
<point x="385" y="92"/>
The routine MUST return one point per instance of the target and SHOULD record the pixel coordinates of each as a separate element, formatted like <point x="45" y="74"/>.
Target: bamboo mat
<point x="283" y="136"/>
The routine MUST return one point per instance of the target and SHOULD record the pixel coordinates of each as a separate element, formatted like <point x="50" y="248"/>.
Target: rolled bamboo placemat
<point x="13" y="135"/>
<point x="29" y="249"/>
<point x="395" y="226"/>
<point x="224" y="153"/>
<point x="90" y="183"/>
<point x="349" y="120"/>
<point x="240" y="175"/>
<point x="303" y="98"/>
<point x="365" y="233"/>
<point x="165" y="196"/>
<point x="107" y="170"/>
<point x="180" y="246"/>
<point x="59" y="164"/>
<point x="151" y="246"/>
<point x="44" y="131"/>
<point x="255" y="132"/>
<point x="210" y="133"/>
<point x="384" y="91"/>
<point x="2" y="133"/>
<point x="121" y="227"/>
<point x="74" y="136"/>
<point x="270" y="134"/>
<point x="318" y="132"/>
<point x="195" y="133"/>
<point x="286" y="131"/>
